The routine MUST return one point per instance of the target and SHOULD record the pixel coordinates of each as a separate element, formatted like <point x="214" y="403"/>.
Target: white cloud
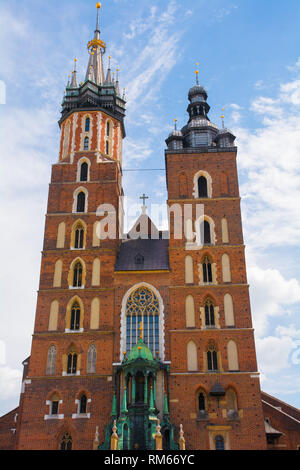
<point x="10" y="383"/>
<point x="271" y="295"/>
<point x="274" y="354"/>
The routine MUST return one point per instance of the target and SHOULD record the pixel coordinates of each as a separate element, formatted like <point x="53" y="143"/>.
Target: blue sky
<point x="249" y="62"/>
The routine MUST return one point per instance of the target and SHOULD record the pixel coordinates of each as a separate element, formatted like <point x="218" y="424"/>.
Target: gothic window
<point x="201" y="402"/>
<point x="212" y="358"/>
<point x="75" y="317"/>
<point x="219" y="442"/>
<point x="142" y="308"/>
<point x="72" y="363"/>
<point x="51" y="361"/>
<point x="86" y="144"/>
<point x="207" y="270"/>
<point x="92" y="359"/>
<point x="107" y="129"/>
<point x="209" y="313"/>
<point x="202" y="187"/>
<point x="79" y="237"/>
<point x="66" y="442"/>
<point x="107" y="147"/>
<point x="77" y="275"/>
<point x="81" y="202"/>
<point x="87" y="124"/>
<point x="84" y="171"/>
<point x="205" y="233"/>
<point x="83" y="405"/>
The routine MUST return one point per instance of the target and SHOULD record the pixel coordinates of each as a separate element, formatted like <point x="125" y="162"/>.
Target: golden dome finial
<point x="98" y="5"/>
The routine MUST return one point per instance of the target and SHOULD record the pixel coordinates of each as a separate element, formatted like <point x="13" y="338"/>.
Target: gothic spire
<point x="74" y="83"/>
<point x="96" y="48"/>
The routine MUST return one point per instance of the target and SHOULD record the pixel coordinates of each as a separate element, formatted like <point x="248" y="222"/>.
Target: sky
<point x="249" y="62"/>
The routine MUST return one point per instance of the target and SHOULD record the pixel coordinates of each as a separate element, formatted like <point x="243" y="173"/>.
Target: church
<point x="143" y="340"/>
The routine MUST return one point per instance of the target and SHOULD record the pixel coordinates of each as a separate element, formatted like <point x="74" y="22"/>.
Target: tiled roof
<point x="143" y="255"/>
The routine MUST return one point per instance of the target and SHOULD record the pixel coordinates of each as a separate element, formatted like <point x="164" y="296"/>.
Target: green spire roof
<point x="140" y="351"/>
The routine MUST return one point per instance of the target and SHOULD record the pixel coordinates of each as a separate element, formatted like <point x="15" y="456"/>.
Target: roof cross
<point x="144" y="197"/>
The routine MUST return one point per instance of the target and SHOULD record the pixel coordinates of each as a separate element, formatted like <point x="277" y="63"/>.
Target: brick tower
<point x="76" y="293"/>
<point x="214" y="387"/>
<point x="138" y="334"/>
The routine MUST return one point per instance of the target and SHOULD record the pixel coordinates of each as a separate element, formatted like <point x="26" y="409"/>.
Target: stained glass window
<point x="142" y="307"/>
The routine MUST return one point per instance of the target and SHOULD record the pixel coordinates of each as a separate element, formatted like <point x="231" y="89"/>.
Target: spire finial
<point x="175" y="121"/>
<point x="74" y="76"/>
<point x="222" y="117"/>
<point x="141" y="330"/>
<point x="98" y="6"/>
<point x="197" y="73"/>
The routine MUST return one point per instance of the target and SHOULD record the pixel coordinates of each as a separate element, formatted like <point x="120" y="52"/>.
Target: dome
<point x="201" y="122"/>
<point x="140" y="351"/>
<point x="176" y="133"/>
<point x="197" y="90"/>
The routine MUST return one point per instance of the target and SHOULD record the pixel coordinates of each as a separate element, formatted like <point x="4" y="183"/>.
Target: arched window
<point x="107" y="129"/>
<point x="77" y="275"/>
<point x="107" y="147"/>
<point x="84" y="169"/>
<point x="142" y="307"/>
<point x="81" y="202"/>
<point x="83" y="405"/>
<point x="75" y="317"/>
<point x="212" y="358"/>
<point x="86" y="144"/>
<point x="207" y="270"/>
<point x="92" y="359"/>
<point x="72" y="363"/>
<point x="66" y="442"/>
<point x="209" y="313"/>
<point x="219" y="442"/>
<point x="87" y="124"/>
<point x="205" y="232"/>
<point x="201" y="402"/>
<point x="79" y="237"/>
<point x="202" y="187"/>
<point x="51" y="361"/>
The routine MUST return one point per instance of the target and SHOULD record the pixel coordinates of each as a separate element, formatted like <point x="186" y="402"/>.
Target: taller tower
<point x="214" y="384"/>
<point x="68" y="387"/>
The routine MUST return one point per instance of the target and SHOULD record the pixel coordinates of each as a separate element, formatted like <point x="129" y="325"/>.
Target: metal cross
<point x="144" y="197"/>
